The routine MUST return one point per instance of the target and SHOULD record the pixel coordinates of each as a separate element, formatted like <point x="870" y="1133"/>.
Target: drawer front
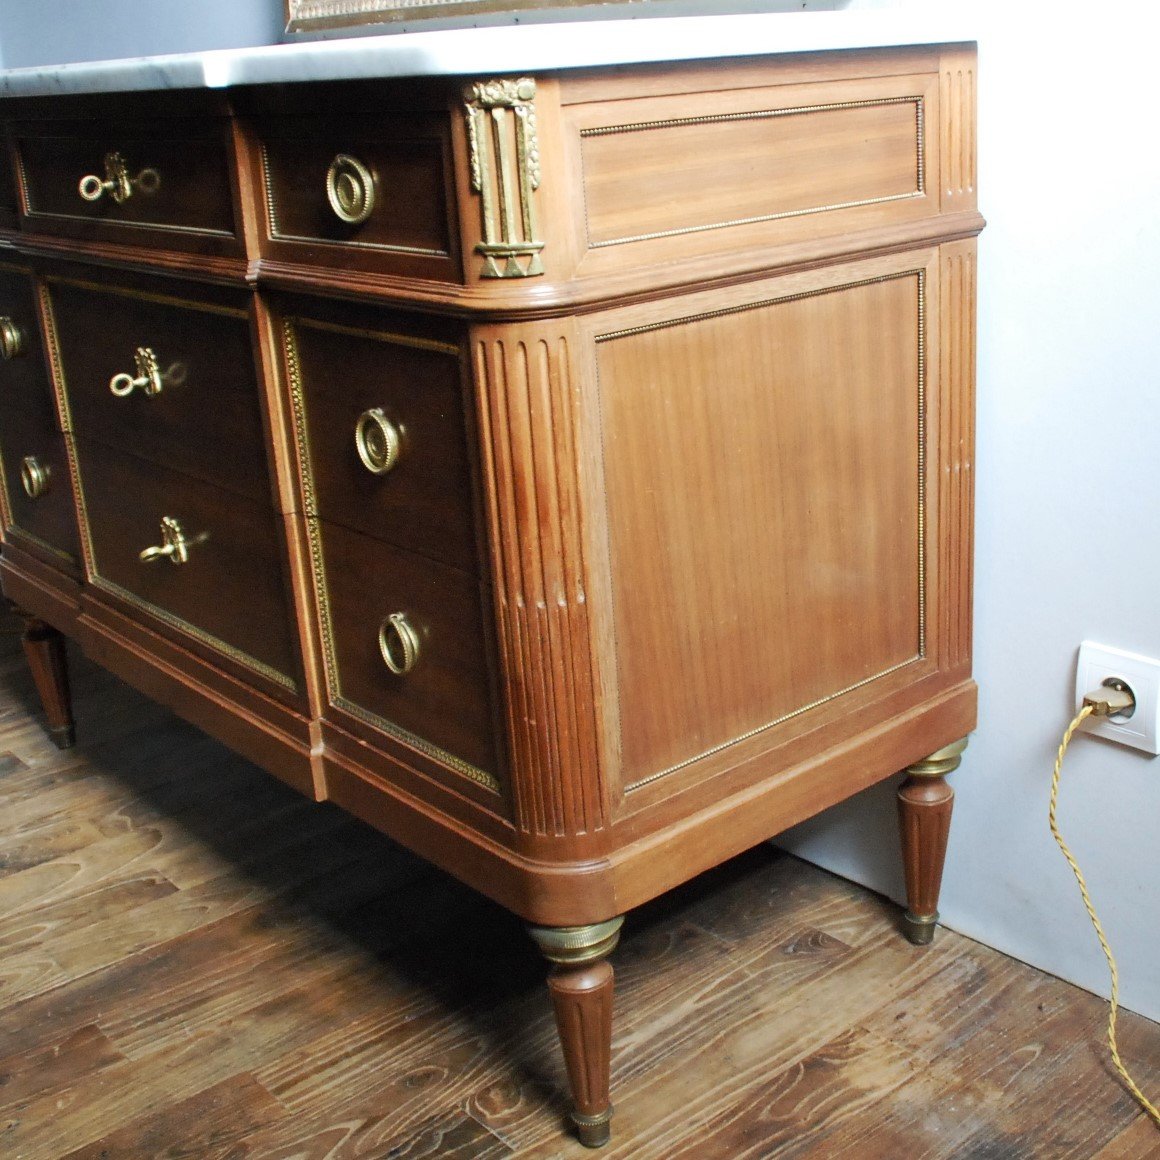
<point x="368" y="192"/>
<point x="36" y="479"/>
<point x="231" y="588"/>
<point x="100" y="180"/>
<point x="383" y="418"/>
<point x="444" y="698"/>
<point x="205" y="418"/>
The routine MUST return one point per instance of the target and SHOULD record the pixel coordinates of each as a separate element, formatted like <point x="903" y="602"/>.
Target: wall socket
<point x="1097" y="664"/>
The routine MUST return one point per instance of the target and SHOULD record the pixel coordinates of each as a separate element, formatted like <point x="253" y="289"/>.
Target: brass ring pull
<point x="350" y="189"/>
<point x="399" y="644"/>
<point x="174" y="545"/>
<point x="34" y="476"/>
<point x="11" y="339"/>
<point x="148" y="376"/>
<point x="117" y="183"/>
<point x="378" y="441"/>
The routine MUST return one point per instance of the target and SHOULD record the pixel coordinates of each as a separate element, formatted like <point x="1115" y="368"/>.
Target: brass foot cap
<point x="63" y="736"/>
<point x="919" y="929"/>
<point x="593" y="1131"/>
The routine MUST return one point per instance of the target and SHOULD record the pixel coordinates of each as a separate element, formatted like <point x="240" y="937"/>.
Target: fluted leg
<point x="580" y="983"/>
<point x="45" y="652"/>
<point x="925" y="802"/>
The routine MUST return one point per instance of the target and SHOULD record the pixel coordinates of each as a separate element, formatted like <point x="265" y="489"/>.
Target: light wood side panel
<point x="669" y="166"/>
<point x="530" y="415"/>
<point x="765" y="493"/>
<point x="956" y="505"/>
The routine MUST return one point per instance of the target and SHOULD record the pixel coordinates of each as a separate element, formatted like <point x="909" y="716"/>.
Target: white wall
<point x="1068" y="536"/>
<point x="1068" y="518"/>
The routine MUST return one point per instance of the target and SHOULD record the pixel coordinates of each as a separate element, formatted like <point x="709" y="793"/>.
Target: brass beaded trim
<point x="314" y="539"/>
<point x="218" y="645"/>
<point x="56" y="370"/>
<point x="671" y="323"/>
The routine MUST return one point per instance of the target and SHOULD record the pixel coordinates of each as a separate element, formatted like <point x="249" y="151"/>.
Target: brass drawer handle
<point x="399" y="643"/>
<point x="350" y="189"/>
<point x="378" y="441"/>
<point x="174" y="545"/>
<point x="11" y="338"/>
<point x="117" y="182"/>
<point x="34" y="476"/>
<point x="148" y="376"/>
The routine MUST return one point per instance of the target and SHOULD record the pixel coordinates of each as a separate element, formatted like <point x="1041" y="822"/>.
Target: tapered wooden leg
<point x="580" y="983"/>
<point x="45" y="652"/>
<point x="925" y="802"/>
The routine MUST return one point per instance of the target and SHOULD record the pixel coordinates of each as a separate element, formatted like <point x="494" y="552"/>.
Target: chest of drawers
<point x="570" y="475"/>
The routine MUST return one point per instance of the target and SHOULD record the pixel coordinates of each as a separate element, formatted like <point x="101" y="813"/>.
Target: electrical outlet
<point x="1099" y="663"/>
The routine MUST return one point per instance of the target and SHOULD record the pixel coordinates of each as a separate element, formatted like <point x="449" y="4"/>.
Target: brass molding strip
<point x="669" y="324"/>
<point x="101" y="584"/>
<point x="277" y="235"/>
<point x="921" y="462"/>
<point x="314" y="539"/>
<point x="472" y="772"/>
<point x="760" y="115"/>
<point x="770" y="724"/>
<point x="5" y="503"/>
<point x="145" y="296"/>
<point x="20" y="533"/>
<point x="56" y="372"/>
<point x="428" y="344"/>
<point x="195" y="231"/>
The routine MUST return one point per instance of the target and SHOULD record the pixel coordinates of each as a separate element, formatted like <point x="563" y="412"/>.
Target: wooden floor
<point x="194" y="962"/>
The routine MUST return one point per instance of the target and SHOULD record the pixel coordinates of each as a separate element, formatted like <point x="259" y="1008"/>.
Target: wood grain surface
<point x="199" y="963"/>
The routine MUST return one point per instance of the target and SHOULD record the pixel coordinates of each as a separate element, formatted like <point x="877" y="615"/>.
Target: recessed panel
<point x="762" y="468"/>
<point x="655" y="175"/>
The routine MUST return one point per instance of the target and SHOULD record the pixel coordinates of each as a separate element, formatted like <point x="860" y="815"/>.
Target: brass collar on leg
<point x="940" y="762"/>
<point x="573" y="946"/>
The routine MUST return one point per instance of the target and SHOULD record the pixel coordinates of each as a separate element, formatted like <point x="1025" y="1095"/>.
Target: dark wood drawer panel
<point x="206" y="419"/>
<point x="363" y="392"/>
<point x="172" y="178"/>
<point x="37" y="484"/>
<point x="36" y="477"/>
<point x="364" y="192"/>
<point x="231" y="589"/>
<point x="444" y="699"/>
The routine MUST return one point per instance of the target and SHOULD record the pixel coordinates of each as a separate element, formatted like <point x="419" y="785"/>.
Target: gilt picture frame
<point x="308" y="15"/>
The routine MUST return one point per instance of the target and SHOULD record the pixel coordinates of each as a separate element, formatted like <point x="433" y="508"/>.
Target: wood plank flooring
<point x="194" y="962"/>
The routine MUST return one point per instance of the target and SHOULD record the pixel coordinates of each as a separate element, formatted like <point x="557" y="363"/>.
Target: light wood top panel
<point x="690" y="171"/>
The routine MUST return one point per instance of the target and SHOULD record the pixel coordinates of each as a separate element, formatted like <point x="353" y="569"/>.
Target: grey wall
<point x="1069" y="412"/>
<point x="58" y="31"/>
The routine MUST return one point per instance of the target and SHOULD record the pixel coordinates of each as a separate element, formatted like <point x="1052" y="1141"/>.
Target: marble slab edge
<point x="497" y="50"/>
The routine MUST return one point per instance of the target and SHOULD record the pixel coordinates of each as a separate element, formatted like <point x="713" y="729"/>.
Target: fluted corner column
<point x="580" y="983"/>
<point x="925" y="802"/>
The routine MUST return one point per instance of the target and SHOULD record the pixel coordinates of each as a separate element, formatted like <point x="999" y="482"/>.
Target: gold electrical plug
<point x="1112" y="699"/>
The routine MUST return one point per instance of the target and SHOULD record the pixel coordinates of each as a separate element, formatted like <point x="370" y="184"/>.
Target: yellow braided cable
<point x="1114" y="1005"/>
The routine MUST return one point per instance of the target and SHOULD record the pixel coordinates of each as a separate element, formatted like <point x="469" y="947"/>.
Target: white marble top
<point x="521" y="48"/>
